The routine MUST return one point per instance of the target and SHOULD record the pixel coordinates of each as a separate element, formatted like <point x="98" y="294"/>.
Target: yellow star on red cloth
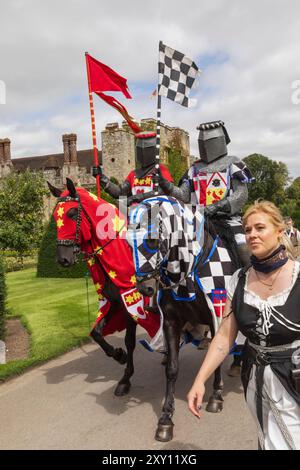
<point x="119" y="225"/>
<point x="60" y="223"/>
<point x="60" y="211"/>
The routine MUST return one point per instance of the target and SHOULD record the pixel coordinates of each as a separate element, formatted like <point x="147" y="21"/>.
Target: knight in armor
<point x="217" y="182"/>
<point x="139" y="183"/>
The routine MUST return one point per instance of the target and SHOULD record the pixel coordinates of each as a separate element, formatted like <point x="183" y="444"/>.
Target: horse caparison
<point x="176" y="313"/>
<point x="67" y="249"/>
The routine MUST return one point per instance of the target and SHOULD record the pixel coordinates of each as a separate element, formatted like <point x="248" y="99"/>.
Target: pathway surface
<point x="68" y="403"/>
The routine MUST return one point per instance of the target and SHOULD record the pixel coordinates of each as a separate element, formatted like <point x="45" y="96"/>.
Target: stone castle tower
<point x="5" y="157"/>
<point x="118" y="146"/>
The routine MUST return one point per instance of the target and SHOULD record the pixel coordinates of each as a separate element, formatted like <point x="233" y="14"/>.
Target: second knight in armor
<point x="217" y="183"/>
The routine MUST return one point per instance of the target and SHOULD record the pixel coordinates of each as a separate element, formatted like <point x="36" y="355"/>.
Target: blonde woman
<point x="263" y="303"/>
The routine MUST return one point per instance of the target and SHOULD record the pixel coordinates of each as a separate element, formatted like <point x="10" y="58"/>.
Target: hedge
<point x="47" y="265"/>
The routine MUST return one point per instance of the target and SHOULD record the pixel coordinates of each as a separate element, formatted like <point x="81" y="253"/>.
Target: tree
<point x="271" y="179"/>
<point x="21" y="211"/>
<point x="293" y="191"/>
<point x="291" y="206"/>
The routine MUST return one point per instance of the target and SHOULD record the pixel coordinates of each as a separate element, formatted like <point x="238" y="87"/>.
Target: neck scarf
<point x="274" y="261"/>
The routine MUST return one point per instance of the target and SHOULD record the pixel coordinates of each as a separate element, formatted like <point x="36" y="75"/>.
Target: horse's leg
<point x="215" y="401"/>
<point x="117" y="353"/>
<point x="164" y="431"/>
<point x="123" y="386"/>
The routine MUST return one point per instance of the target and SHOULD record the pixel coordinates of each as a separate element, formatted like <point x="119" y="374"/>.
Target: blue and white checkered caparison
<point x="176" y="75"/>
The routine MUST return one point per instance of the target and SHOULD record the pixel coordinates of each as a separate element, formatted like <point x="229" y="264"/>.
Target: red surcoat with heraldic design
<point x="145" y="184"/>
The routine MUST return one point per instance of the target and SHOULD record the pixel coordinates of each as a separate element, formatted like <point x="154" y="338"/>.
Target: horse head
<point x="165" y="236"/>
<point x="143" y="235"/>
<point x="73" y="225"/>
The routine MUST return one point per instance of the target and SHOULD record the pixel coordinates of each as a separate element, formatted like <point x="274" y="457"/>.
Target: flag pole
<point x="158" y="116"/>
<point x="96" y="160"/>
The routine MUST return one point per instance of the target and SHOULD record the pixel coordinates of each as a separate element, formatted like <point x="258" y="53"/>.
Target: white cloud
<point x="43" y="67"/>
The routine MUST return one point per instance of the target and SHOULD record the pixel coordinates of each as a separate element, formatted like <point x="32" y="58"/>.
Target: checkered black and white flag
<point x="176" y="75"/>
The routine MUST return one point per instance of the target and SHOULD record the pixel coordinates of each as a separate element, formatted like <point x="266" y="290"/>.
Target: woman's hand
<point x="195" y="398"/>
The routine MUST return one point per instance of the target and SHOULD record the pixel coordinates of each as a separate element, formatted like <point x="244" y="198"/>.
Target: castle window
<point x="128" y="161"/>
<point x="112" y="160"/>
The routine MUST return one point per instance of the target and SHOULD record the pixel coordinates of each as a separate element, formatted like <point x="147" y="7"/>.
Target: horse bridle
<point x="72" y="242"/>
<point x="75" y="242"/>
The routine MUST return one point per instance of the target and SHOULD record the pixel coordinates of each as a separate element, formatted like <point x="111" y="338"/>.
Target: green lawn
<point x="54" y="312"/>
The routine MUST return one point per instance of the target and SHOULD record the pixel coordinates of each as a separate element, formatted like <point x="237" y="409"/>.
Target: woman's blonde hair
<point x="276" y="219"/>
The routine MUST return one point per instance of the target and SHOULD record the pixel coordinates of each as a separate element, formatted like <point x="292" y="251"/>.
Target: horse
<point x="176" y="256"/>
<point x="96" y="228"/>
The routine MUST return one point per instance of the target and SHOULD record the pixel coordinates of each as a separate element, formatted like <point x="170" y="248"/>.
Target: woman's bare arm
<point x="218" y="350"/>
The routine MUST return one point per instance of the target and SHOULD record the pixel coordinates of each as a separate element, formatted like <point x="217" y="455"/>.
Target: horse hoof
<point x="120" y="356"/>
<point x="122" y="389"/>
<point x="234" y="371"/>
<point x="214" y="406"/>
<point x="164" y="432"/>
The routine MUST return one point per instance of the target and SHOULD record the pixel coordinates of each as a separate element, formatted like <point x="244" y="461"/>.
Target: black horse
<point x="170" y="242"/>
<point x="80" y="206"/>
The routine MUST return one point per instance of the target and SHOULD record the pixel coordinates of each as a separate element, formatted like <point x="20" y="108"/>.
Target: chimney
<point x="1" y="152"/>
<point x="70" y="149"/>
<point x="65" y="139"/>
<point x="5" y="156"/>
<point x="73" y="148"/>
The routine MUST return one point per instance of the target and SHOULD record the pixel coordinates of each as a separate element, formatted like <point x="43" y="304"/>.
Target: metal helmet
<point x="212" y="140"/>
<point x="145" y="149"/>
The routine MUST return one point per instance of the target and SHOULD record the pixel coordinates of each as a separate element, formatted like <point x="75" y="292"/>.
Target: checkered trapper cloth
<point x="177" y="74"/>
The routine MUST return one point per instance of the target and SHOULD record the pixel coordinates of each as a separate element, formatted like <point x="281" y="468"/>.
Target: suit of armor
<point x="138" y="185"/>
<point x="216" y="183"/>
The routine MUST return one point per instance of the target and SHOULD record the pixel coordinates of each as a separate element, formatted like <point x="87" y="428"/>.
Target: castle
<point x="117" y="156"/>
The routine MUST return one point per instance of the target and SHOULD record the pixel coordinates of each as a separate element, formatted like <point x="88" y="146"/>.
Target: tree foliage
<point x="273" y="183"/>
<point x="21" y="211"/>
<point x="271" y="179"/>
<point x="293" y="191"/>
<point x="177" y="164"/>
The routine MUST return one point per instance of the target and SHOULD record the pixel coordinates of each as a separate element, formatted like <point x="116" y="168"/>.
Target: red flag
<point x="103" y="78"/>
<point x="122" y="110"/>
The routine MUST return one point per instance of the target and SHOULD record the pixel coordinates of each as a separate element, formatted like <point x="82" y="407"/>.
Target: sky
<point x="249" y="54"/>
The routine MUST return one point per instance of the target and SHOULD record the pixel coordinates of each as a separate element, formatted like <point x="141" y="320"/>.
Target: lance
<point x="158" y="116"/>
